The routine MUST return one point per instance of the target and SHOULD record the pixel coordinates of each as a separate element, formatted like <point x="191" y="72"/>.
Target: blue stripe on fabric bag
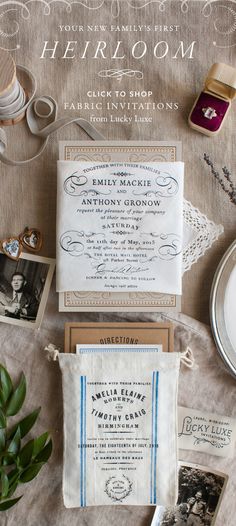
<point x="154" y="436"/>
<point x="82" y="441"/>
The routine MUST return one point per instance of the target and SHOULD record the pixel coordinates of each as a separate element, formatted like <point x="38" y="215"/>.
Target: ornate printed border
<point x="105" y="153"/>
<point x="108" y="299"/>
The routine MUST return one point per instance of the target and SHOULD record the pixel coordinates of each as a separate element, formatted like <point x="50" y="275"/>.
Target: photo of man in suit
<point x="197" y="509"/>
<point x="22" y="304"/>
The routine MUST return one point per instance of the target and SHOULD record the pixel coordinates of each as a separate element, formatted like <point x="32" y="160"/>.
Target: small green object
<point x="8" y="504"/>
<point x="45" y="454"/>
<point x="17" y="398"/>
<point x="19" y="462"/>
<point x="2" y="439"/>
<point x="26" y="424"/>
<point x="26" y="453"/>
<point x="4" y="484"/>
<point x="14" y="445"/>
<point x="2" y="419"/>
<point x="39" y="443"/>
<point x="6" y="384"/>
<point x="31" y="472"/>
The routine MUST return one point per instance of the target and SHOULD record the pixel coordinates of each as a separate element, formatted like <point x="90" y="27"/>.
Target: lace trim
<point x="204" y="234"/>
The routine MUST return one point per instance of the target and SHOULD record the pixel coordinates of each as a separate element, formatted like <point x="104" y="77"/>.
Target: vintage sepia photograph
<point x="200" y="492"/>
<point x="24" y="289"/>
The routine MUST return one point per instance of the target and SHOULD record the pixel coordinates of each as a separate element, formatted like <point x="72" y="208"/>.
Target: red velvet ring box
<point x="212" y="105"/>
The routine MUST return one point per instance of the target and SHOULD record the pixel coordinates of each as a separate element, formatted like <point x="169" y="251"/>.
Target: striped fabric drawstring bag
<point x="120" y="427"/>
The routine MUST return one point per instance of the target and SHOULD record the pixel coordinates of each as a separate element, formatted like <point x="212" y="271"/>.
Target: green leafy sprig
<point x="18" y="463"/>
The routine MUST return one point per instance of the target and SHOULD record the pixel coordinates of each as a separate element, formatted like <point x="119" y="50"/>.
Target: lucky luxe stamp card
<point x="120" y="226"/>
<point x="206" y="432"/>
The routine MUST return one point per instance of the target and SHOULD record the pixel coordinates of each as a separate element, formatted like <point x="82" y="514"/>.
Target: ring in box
<point x="212" y="105"/>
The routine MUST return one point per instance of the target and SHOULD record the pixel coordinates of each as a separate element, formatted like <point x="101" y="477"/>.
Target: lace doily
<point x="199" y="234"/>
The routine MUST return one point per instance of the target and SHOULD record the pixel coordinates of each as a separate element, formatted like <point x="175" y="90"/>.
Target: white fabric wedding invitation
<point x="120" y="426"/>
<point x="119" y="226"/>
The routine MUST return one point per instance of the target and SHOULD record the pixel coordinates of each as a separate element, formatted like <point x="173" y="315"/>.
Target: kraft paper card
<point x="120" y="227"/>
<point x="106" y="333"/>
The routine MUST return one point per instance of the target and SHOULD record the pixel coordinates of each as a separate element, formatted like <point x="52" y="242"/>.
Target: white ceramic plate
<point x="223" y="308"/>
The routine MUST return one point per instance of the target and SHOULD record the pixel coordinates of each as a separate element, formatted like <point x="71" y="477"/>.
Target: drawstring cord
<point x="52" y="352"/>
<point x="187" y="358"/>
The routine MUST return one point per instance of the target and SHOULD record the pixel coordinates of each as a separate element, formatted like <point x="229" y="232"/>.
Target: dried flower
<point x="226" y="182"/>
